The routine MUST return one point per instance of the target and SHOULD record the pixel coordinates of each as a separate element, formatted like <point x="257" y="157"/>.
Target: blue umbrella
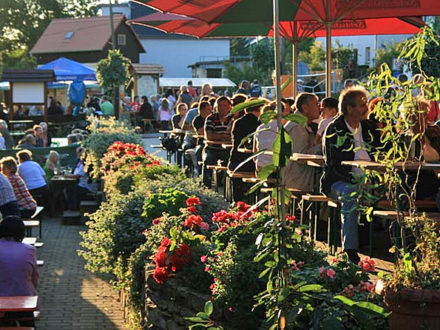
<point x="68" y="70"/>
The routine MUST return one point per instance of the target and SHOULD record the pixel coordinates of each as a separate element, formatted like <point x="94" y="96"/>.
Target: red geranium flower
<point x="160" y="274"/>
<point x="192" y="201"/>
<point x="193" y="220"/>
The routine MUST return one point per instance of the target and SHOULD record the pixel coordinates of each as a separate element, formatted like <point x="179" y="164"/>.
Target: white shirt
<point x="359" y="147"/>
<point x="323" y="125"/>
<point x="264" y="140"/>
<point x="79" y="170"/>
<point x="32" y="174"/>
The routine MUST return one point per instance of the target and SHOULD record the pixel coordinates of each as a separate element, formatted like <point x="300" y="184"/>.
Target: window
<point x="68" y="35"/>
<point x="367" y="55"/>
<point x="121" y="40"/>
<point x="213" y="73"/>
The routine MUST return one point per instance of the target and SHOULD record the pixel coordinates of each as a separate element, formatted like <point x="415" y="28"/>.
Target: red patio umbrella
<point x="294" y="32"/>
<point x="325" y="12"/>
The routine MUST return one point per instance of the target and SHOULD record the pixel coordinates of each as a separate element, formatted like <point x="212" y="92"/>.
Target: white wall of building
<point x="176" y="54"/>
<point x="366" y="45"/>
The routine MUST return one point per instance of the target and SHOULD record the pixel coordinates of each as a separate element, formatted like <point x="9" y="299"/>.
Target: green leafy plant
<point x="113" y="71"/>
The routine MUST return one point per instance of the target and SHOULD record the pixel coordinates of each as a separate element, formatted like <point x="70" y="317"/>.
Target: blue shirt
<point x="192" y="113"/>
<point x="32" y="174"/>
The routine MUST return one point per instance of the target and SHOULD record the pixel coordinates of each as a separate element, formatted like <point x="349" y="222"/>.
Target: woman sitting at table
<point x="26" y="202"/>
<point x="52" y="166"/>
<point x="34" y="176"/>
<point x="18" y="264"/>
<point x="28" y="142"/>
<point x="179" y="118"/>
<point x="77" y="193"/>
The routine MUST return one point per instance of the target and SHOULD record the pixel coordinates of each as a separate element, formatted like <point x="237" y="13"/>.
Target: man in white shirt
<point x="329" y="110"/>
<point x="349" y="137"/>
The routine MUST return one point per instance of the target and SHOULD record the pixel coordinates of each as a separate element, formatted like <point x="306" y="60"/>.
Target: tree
<point x="23" y="22"/>
<point x="315" y="57"/>
<point x="387" y="54"/>
<point x="112" y="72"/>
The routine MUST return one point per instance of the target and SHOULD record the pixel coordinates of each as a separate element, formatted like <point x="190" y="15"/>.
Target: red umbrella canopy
<point x="172" y="23"/>
<point x="235" y="11"/>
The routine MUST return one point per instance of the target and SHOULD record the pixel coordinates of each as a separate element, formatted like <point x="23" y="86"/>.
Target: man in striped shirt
<point x="26" y="203"/>
<point x="217" y="132"/>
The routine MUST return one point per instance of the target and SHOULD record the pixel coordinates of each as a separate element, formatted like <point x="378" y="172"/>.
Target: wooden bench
<point x="37" y="215"/>
<point x="18" y="304"/>
<point x="313" y="212"/>
<point x="29" y="224"/>
<point x="71" y="218"/>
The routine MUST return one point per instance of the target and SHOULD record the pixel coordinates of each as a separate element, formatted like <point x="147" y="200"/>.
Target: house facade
<point x="174" y="52"/>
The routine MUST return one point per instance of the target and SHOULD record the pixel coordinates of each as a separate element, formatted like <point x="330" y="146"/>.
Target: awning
<point x="197" y="82"/>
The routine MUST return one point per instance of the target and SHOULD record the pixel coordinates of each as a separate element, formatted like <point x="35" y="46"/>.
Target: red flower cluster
<point x="367" y="264"/>
<point x="119" y="154"/>
<point x="192" y="201"/>
<point x="350" y="289"/>
<point x="193" y="221"/>
<point x="166" y="260"/>
<point x="231" y="218"/>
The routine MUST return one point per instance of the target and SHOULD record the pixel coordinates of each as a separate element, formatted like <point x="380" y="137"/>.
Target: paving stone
<point x="70" y="296"/>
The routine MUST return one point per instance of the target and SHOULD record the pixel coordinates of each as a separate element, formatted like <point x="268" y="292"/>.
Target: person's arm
<point x="187" y="122"/>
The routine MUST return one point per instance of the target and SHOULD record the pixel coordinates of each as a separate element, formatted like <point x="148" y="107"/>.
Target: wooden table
<point x="410" y="166"/>
<point x="314" y="159"/>
<point x="29" y="240"/>
<point x="63" y="179"/>
<point x="18" y="304"/>
<point x="225" y="145"/>
<point x="245" y="150"/>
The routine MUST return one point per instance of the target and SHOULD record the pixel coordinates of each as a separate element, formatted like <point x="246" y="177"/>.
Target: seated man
<point x="241" y="128"/>
<point x="198" y="125"/>
<point x="360" y="138"/>
<point x="19" y="271"/>
<point x="26" y="202"/>
<point x="217" y="131"/>
<point x="298" y="175"/>
<point x="8" y="201"/>
<point x="329" y="110"/>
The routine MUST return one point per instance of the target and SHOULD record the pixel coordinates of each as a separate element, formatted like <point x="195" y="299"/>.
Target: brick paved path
<point x="70" y="296"/>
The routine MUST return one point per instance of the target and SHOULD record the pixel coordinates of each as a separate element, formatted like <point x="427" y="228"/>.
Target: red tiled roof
<point x="89" y="34"/>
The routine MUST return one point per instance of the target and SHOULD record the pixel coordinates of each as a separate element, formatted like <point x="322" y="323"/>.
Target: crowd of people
<point x="209" y="126"/>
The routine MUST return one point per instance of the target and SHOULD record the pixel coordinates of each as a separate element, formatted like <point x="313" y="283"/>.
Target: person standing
<point x="165" y="114"/>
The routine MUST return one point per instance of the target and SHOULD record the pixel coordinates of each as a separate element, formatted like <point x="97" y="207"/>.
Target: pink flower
<point x="219" y="254"/>
<point x="230" y="309"/>
<point x="207" y="269"/>
<point x="156" y="221"/>
<point x="322" y="271"/>
<point x="330" y="273"/>
<point x="203" y="258"/>
<point x="204" y="226"/>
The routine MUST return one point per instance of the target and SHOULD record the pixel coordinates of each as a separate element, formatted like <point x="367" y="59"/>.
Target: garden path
<point x="70" y="296"/>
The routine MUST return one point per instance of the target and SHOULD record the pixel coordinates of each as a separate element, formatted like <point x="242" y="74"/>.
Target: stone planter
<point x="413" y="309"/>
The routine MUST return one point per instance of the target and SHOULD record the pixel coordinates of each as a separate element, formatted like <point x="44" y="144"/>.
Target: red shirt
<point x="24" y="197"/>
<point x="135" y="106"/>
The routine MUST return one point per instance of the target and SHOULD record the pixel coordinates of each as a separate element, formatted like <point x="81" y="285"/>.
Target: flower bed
<point x="172" y="245"/>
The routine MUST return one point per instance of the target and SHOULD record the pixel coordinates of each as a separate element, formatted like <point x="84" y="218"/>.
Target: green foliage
<point x="387" y="54"/>
<point x="246" y="71"/>
<point x="314" y="58"/>
<point x="170" y="202"/>
<point x="103" y="133"/>
<point x="113" y="71"/>
<point x="24" y="21"/>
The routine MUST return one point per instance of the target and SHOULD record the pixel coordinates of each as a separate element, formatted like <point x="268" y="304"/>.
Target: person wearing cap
<point x="18" y="268"/>
<point x="255" y="90"/>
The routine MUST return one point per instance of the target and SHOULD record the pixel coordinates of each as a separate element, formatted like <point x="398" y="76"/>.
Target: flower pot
<point x="413" y="308"/>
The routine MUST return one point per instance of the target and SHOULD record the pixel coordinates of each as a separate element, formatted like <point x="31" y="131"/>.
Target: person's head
<point x="348" y="83"/>
<point x="164" y="104"/>
<point x="24" y="155"/>
<point x="43" y="126"/>
<point x="71" y="138"/>
<point x="206" y="89"/>
<point x="38" y="130"/>
<point x="12" y="227"/>
<point x="3" y="124"/>
<point x="183" y="89"/>
<point x="353" y="103"/>
<point x="8" y="165"/>
<point x="268" y="107"/>
<point x="402" y="78"/>
<point x="30" y="139"/>
<point x="136" y="99"/>
<point x="256" y="109"/>
<point x="212" y="100"/>
<point x="238" y="98"/>
<point x="205" y="98"/>
<point x="80" y="151"/>
<point x="190" y="83"/>
<point x="308" y="105"/>
<point x="182" y="109"/>
<point x="153" y="98"/>
<point x="168" y="92"/>
<point x="205" y="109"/>
<point x="223" y="106"/>
<point x="53" y="157"/>
<point x="244" y="84"/>
<point x="103" y="98"/>
<point x="329" y="107"/>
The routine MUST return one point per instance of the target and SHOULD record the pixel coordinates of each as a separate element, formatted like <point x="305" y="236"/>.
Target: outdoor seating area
<point x="220" y="164"/>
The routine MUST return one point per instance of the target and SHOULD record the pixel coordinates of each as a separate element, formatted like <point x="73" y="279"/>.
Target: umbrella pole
<point x="295" y="60"/>
<point x="328" y="64"/>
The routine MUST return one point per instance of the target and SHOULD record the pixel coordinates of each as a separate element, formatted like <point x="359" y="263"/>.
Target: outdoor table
<point x="410" y="166"/>
<point x="319" y="159"/>
<point x="245" y="150"/>
<point x="63" y="179"/>
<point x="18" y="304"/>
<point x="20" y="123"/>
<point x="216" y="143"/>
<point x="227" y="146"/>
<point x="29" y="240"/>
